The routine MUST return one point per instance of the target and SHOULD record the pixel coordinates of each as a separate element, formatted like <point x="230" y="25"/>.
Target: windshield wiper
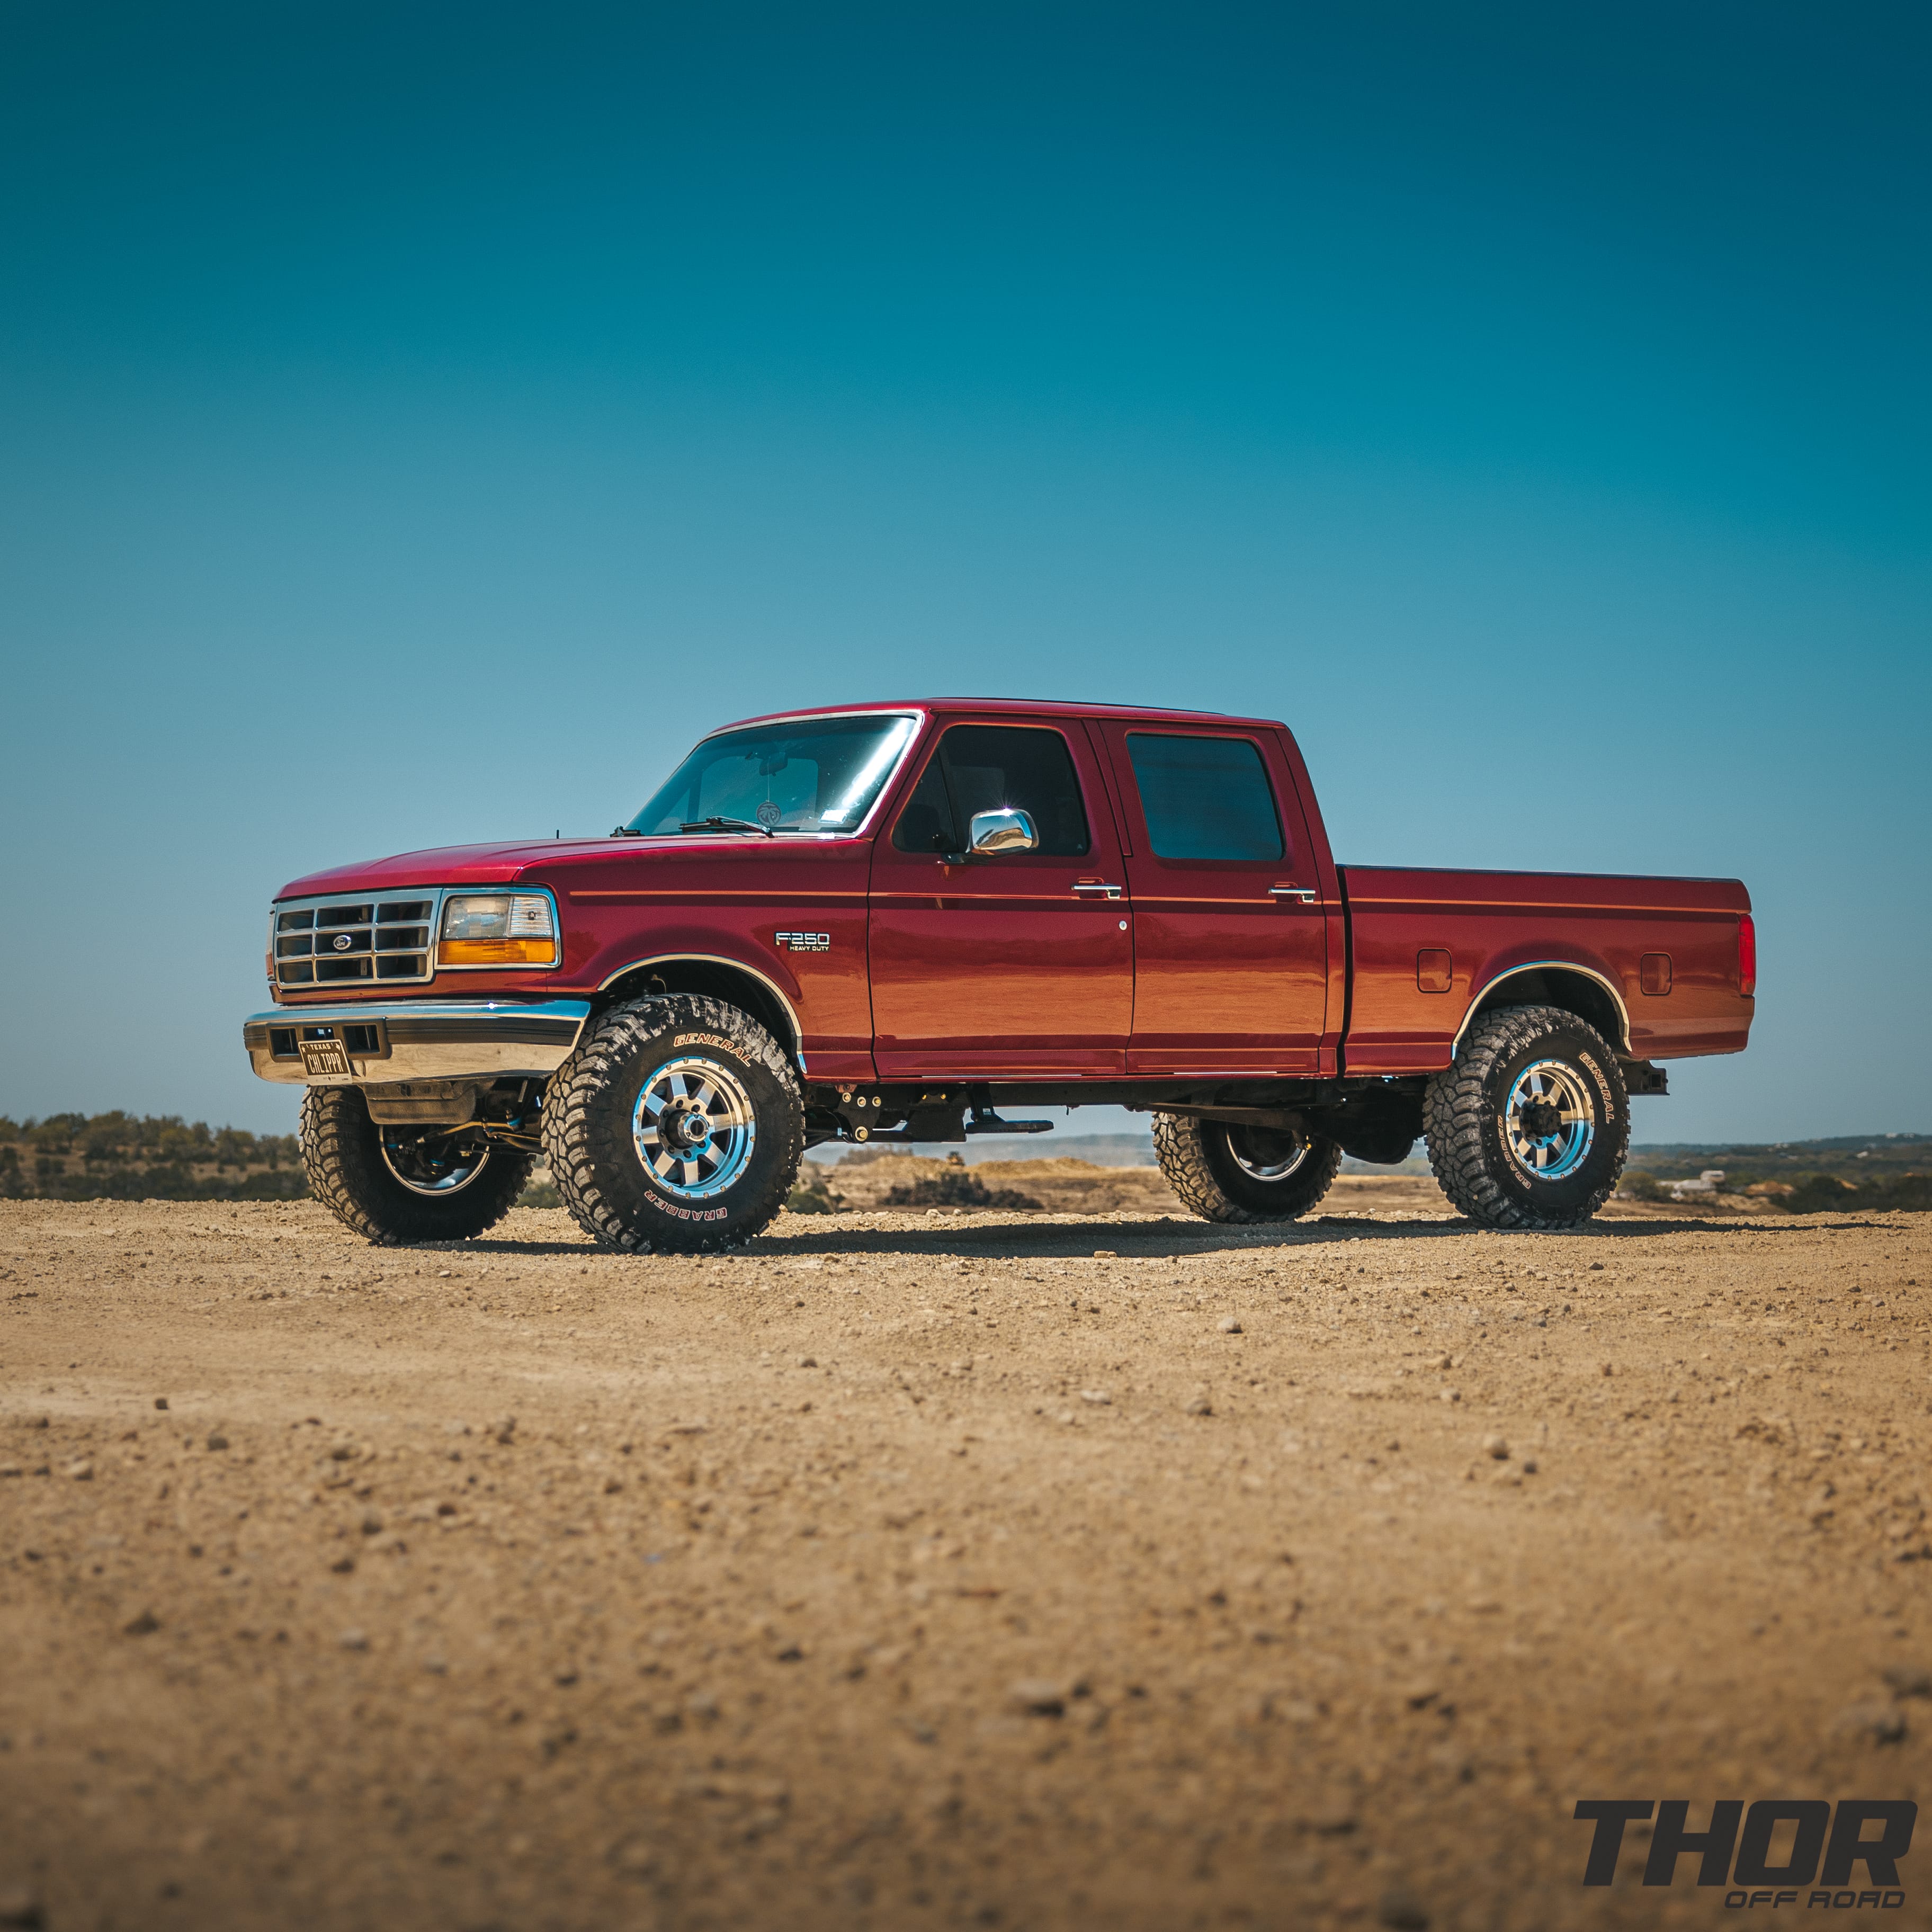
<point x="716" y="824"/>
<point x="625" y="832"/>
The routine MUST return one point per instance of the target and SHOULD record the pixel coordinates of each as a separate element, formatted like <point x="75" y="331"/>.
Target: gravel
<point x="365" y="1728"/>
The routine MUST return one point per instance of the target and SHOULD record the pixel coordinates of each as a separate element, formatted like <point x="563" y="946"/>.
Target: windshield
<point x="807" y="775"/>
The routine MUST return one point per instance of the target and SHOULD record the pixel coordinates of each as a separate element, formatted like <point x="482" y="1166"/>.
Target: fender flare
<point x="765" y="980"/>
<point x="1622" y="1043"/>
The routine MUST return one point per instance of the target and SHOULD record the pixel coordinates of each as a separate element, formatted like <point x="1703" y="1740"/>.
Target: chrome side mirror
<point x="1002" y="831"/>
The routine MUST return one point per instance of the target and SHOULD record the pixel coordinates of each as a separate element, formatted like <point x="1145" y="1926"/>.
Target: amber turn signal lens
<point x="495" y="952"/>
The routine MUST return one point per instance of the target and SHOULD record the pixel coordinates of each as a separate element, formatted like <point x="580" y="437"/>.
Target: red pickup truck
<point x="886" y="922"/>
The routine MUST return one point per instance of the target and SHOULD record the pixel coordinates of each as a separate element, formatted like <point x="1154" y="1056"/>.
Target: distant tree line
<point x="122" y="1156"/>
<point x="1826" y="1193"/>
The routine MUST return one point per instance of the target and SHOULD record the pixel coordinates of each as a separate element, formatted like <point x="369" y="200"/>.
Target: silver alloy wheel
<point x="436" y="1168"/>
<point x="1549" y="1121"/>
<point x="1259" y="1166"/>
<point x="694" y="1128"/>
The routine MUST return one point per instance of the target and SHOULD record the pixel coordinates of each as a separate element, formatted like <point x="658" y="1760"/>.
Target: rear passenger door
<point x="1231" y="941"/>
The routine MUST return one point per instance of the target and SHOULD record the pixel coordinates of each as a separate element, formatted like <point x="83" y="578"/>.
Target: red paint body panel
<point x="997" y="969"/>
<point x="625" y="902"/>
<point x="1000" y="969"/>
<point x="1228" y="977"/>
<point x="1490" y="922"/>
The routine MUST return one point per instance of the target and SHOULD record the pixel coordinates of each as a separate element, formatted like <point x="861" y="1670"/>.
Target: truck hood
<point x="442" y="866"/>
<point x="550" y="861"/>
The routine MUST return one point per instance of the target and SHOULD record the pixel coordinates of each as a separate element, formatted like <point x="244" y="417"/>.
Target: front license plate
<point x="325" y="1060"/>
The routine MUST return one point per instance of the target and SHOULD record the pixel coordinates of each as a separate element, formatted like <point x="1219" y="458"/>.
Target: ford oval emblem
<point x="342" y="942"/>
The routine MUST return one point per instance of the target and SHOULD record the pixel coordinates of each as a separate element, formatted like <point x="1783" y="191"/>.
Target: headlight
<point x="497" y="929"/>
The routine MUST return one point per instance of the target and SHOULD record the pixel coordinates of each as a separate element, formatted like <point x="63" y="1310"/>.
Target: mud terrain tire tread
<point x="595" y="1073"/>
<point x="1180" y="1145"/>
<point x="340" y="1146"/>
<point x="1459" y="1106"/>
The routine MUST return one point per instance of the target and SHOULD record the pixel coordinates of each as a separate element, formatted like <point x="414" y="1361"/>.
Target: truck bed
<point x="1599" y="926"/>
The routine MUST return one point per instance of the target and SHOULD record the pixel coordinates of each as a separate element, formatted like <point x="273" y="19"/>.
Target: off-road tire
<point x="1197" y="1158"/>
<point x="342" y="1152"/>
<point x="1464" y="1117"/>
<point x="588" y="1112"/>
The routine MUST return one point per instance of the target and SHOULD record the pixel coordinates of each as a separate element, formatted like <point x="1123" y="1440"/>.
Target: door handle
<point x="1105" y="892"/>
<point x="1304" y="894"/>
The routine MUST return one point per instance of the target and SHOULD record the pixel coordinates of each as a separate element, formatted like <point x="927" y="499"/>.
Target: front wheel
<point x="677" y="1126"/>
<point x="396" y="1186"/>
<point x="1529" y="1125"/>
<point x="1227" y="1172"/>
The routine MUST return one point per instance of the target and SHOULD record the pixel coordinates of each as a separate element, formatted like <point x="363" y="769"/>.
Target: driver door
<point x="1009" y="964"/>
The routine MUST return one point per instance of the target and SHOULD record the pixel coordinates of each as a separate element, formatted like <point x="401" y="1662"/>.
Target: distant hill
<point x="1870" y="1171"/>
<point x="120" y="1157"/>
<point x="1853" y="1157"/>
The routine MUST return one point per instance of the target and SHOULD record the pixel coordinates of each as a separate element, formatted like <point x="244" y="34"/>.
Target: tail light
<point x="1746" y="956"/>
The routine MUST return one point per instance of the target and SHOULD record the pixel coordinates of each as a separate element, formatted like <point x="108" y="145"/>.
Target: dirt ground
<point x="1061" y="1186"/>
<point x="951" y="1570"/>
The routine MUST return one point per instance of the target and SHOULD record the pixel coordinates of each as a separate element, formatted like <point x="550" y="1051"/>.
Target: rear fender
<point x="1581" y="990"/>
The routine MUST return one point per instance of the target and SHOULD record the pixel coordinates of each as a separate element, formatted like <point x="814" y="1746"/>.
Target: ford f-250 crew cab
<point x="887" y="922"/>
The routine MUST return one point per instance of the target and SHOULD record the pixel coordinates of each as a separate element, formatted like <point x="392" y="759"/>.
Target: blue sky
<point x="417" y="423"/>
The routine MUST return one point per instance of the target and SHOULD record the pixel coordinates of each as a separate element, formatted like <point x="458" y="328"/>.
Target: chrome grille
<point x="354" y="939"/>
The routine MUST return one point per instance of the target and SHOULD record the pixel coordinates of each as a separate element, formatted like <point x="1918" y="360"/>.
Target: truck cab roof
<point x="1025" y="707"/>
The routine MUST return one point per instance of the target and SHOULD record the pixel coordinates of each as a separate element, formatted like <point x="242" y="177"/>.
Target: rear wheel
<point x="398" y="1185"/>
<point x="676" y="1126"/>
<point x="1528" y="1128"/>
<point x="1225" y="1171"/>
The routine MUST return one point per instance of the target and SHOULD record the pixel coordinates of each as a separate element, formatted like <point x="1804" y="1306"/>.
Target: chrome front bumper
<point x="421" y="1040"/>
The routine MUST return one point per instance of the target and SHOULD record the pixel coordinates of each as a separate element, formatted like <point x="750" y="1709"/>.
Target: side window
<point x="1205" y="798"/>
<point x="986" y="767"/>
<point x="926" y="824"/>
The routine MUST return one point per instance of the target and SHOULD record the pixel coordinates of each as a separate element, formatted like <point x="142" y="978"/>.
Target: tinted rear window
<point x="1205" y="798"/>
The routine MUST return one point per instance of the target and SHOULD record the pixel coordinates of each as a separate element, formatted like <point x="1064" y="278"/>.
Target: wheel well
<point x="1570" y="987"/>
<point x="711" y="979"/>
